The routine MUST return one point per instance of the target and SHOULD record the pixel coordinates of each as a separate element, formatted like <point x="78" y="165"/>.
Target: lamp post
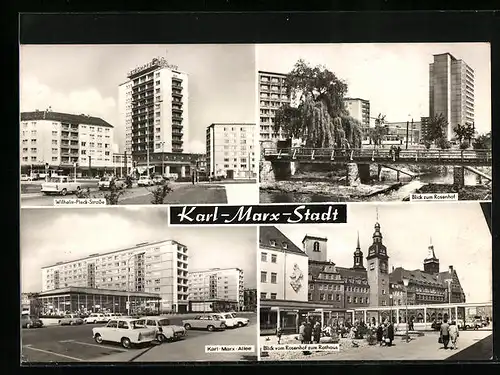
<point x="162" y="158"/>
<point x="406" y="282"/>
<point x="128" y="281"/>
<point x="448" y="290"/>
<point x="390" y="304"/>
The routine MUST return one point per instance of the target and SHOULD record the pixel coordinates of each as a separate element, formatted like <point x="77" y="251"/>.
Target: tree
<point x="320" y="118"/>
<point x="160" y="193"/>
<point x="464" y="132"/>
<point x="435" y="129"/>
<point x="482" y="142"/>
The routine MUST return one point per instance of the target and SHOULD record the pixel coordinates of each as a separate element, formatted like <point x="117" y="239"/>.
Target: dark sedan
<point x="31" y="322"/>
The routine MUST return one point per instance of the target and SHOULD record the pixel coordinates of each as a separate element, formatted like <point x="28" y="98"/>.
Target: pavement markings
<point x="95" y="345"/>
<point x="53" y="353"/>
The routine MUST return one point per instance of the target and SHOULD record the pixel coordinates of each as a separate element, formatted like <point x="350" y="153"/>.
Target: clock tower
<point x="431" y="263"/>
<point x="378" y="270"/>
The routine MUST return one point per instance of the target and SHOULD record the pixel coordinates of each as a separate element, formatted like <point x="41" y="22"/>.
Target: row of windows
<point x="263" y="277"/>
<point x="264" y="295"/>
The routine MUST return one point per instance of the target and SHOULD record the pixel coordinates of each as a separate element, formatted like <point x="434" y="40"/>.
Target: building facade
<point x="61" y="141"/>
<point x="451" y="91"/>
<point x="272" y="95"/>
<point x="210" y="289"/>
<point x="153" y="107"/>
<point x="160" y="268"/>
<point x="231" y="150"/>
<point x="399" y="132"/>
<point x="359" y="109"/>
<point x="250" y="299"/>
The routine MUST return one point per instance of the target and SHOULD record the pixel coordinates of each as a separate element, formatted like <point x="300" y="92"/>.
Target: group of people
<point x="384" y="332"/>
<point x="309" y="332"/>
<point x="394" y="152"/>
<point x="448" y="333"/>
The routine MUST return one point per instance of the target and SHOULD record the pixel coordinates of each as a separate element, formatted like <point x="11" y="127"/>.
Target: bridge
<point x="283" y="162"/>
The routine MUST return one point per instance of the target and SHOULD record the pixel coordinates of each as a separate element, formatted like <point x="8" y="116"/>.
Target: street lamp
<point x="405" y="283"/>
<point x="390" y="304"/>
<point x="162" y="158"/>
<point x="128" y="281"/>
<point x="448" y="282"/>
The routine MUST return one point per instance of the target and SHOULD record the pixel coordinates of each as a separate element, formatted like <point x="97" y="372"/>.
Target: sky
<point x="459" y="232"/>
<point x="51" y="235"/>
<point x="393" y="77"/>
<point x="85" y="78"/>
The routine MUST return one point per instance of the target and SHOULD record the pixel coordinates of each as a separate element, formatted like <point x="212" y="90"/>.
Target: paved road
<point x="75" y="344"/>
<point x="480" y="351"/>
<point x="182" y="193"/>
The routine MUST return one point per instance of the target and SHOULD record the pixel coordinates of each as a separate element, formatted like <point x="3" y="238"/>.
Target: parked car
<point x="127" y="332"/>
<point x="105" y="182"/>
<point x="210" y="322"/>
<point x="164" y="330"/>
<point x="96" y="318"/>
<point x="158" y="180"/>
<point x="240" y="322"/>
<point x="25" y="177"/>
<point x="30" y="322"/>
<point x="228" y="319"/>
<point x="145" y="181"/>
<point x="60" y="185"/>
<point x="70" y="319"/>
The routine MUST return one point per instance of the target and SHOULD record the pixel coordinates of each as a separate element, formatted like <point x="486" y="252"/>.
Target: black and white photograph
<point x="374" y="122"/>
<point x="138" y="124"/>
<point x="398" y="282"/>
<point x="117" y="284"/>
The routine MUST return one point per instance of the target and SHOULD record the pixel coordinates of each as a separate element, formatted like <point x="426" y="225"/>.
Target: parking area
<point x="76" y="344"/>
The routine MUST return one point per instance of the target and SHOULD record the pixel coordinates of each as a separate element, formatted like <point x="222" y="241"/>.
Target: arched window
<point x="316" y="246"/>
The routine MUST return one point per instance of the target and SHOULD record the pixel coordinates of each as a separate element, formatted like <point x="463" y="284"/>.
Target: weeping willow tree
<point x="318" y="117"/>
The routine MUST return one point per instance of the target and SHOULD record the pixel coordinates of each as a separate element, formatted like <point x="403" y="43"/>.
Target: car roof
<point x="125" y="319"/>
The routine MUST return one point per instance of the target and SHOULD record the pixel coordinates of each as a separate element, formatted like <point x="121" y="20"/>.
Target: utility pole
<point x="90" y="166"/>
<point x="407" y="126"/>
<point x="125" y="162"/>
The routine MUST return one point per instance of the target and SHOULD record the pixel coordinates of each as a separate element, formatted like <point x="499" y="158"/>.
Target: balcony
<point x="177" y="133"/>
<point x="177" y="142"/>
<point x="176" y="117"/>
<point x="177" y="94"/>
<point x="176" y="110"/>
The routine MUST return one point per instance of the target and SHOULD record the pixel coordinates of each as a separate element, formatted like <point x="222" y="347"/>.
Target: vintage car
<point x="228" y="319"/>
<point x="25" y="177"/>
<point x="96" y="318"/>
<point x="71" y="319"/>
<point x="158" y="180"/>
<point x="164" y="330"/>
<point x="210" y="322"/>
<point x="60" y="185"/>
<point x="240" y="322"/>
<point x="145" y="181"/>
<point x="127" y="332"/>
<point x="30" y="322"/>
<point x="105" y="182"/>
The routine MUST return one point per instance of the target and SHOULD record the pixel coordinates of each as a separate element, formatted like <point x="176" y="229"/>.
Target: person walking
<point x="454" y="334"/>
<point x="317" y="332"/>
<point x="380" y="334"/>
<point x="279" y="333"/>
<point x="398" y="151"/>
<point x="302" y="330"/>
<point x="307" y="333"/>
<point x="385" y="334"/>
<point x="444" y="331"/>
<point x="390" y="333"/>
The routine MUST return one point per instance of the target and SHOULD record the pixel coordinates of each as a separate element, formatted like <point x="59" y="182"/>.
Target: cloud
<point x="36" y="95"/>
<point x="197" y="147"/>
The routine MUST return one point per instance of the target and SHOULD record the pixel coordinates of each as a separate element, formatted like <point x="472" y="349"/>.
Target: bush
<point x="427" y="145"/>
<point x="114" y="194"/>
<point x="129" y="181"/>
<point x="443" y="144"/>
<point x="464" y="146"/>
<point x="159" y="193"/>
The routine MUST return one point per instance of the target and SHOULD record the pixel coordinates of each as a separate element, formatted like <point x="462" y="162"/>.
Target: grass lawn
<point x="186" y="194"/>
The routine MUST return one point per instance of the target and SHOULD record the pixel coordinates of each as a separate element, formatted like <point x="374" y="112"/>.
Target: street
<point x="76" y="344"/>
<point x="183" y="193"/>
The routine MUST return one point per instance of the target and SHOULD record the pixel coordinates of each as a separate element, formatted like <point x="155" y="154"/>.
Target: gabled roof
<point x="307" y="236"/>
<point x="349" y="273"/>
<point x="271" y="234"/>
<point x="415" y="276"/>
<point x="64" y="117"/>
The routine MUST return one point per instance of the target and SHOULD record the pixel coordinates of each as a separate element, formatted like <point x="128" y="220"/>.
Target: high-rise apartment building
<point x="153" y="107"/>
<point x="272" y="95"/>
<point x="59" y="140"/>
<point x="451" y="91"/>
<point x="358" y="109"/>
<point x="231" y="150"/>
<point x="216" y="286"/>
<point x="159" y="267"/>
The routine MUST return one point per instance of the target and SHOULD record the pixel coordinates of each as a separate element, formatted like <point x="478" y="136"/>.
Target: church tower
<point x="358" y="258"/>
<point x="431" y="263"/>
<point x="378" y="270"/>
<point x="315" y="248"/>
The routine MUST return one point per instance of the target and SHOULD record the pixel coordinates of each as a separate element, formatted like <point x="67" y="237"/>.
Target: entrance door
<point x="230" y="174"/>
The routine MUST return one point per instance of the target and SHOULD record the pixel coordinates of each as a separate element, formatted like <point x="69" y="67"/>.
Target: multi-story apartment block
<point x="250" y="299"/>
<point x="272" y="95"/>
<point x="61" y="140"/>
<point x="231" y="150"/>
<point x="451" y="91"/>
<point x="216" y="289"/>
<point x="160" y="268"/>
<point x="153" y="107"/>
<point x="358" y="109"/>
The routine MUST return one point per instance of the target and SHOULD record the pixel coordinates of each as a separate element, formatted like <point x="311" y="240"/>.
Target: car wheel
<point x="187" y="326"/>
<point x="98" y="338"/>
<point x="64" y="192"/>
<point x="211" y="328"/>
<point x="223" y="326"/>
<point x="126" y="343"/>
<point x="78" y="189"/>
<point x="240" y="324"/>
<point x="70" y="323"/>
<point x="60" y="323"/>
<point x="28" y="326"/>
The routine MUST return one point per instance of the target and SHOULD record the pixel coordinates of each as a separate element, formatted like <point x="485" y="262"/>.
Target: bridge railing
<point x="379" y="154"/>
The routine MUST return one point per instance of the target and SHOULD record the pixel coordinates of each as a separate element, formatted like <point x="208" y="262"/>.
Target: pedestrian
<point x="391" y="151"/>
<point x="444" y="331"/>
<point x="279" y="332"/>
<point x="398" y="151"/>
<point x="454" y="333"/>
<point x="302" y="331"/>
<point x="390" y="333"/>
<point x="307" y="333"/>
<point x="317" y="332"/>
<point x="380" y="334"/>
<point x="385" y="334"/>
<point x="412" y="320"/>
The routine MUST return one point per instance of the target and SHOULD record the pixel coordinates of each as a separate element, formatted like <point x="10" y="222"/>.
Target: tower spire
<point x="376" y="211"/>
<point x="357" y="245"/>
